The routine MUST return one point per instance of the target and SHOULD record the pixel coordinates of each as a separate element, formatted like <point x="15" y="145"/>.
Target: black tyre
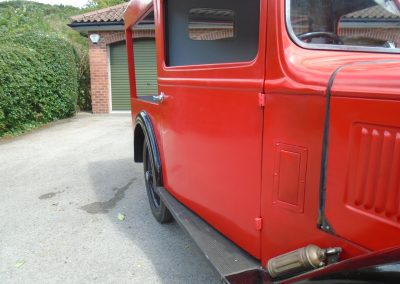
<point x="158" y="208"/>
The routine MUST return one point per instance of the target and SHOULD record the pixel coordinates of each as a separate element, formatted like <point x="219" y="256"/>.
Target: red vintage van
<point x="274" y="139"/>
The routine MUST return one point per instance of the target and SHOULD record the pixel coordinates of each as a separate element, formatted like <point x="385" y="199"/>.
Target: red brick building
<point x="107" y="57"/>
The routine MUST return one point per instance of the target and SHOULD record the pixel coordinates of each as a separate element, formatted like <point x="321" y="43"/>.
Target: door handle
<point x="159" y="99"/>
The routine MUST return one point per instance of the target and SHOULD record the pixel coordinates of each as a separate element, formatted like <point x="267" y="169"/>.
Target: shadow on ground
<point x="162" y="249"/>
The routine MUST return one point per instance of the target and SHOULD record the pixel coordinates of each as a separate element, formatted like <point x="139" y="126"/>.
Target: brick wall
<point x="99" y="72"/>
<point x="383" y="34"/>
<point x="211" y="34"/>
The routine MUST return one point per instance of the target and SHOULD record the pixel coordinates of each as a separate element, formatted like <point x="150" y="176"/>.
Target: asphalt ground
<point x="73" y="209"/>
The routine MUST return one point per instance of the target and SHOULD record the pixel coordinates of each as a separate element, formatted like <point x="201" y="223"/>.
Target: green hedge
<point x="38" y="81"/>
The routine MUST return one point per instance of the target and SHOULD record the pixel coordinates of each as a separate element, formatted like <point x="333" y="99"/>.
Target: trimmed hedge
<point x="38" y="81"/>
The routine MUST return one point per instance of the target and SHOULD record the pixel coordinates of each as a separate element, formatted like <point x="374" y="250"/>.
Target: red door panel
<point x="212" y="156"/>
<point x="210" y="125"/>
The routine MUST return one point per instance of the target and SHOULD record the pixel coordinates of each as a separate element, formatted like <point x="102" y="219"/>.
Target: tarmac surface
<point x="73" y="209"/>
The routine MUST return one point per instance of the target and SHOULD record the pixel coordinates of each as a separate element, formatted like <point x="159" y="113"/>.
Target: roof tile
<point x="375" y="12"/>
<point x="110" y="14"/>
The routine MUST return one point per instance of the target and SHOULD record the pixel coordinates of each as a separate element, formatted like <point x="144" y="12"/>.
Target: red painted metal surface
<point x="363" y="188"/>
<point x="296" y="87"/>
<point x="131" y="64"/>
<point x="234" y="157"/>
<point x="136" y="11"/>
<point x="203" y="154"/>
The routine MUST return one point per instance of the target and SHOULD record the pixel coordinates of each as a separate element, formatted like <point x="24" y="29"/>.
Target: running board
<point x="231" y="262"/>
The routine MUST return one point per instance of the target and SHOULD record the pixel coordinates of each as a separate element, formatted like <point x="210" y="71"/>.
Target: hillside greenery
<point x="98" y="4"/>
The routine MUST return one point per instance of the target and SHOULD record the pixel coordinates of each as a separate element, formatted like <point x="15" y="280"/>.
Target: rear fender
<point x="144" y="131"/>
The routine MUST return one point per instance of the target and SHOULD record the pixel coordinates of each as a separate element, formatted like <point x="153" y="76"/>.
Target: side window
<point x="211" y="31"/>
<point x="364" y="23"/>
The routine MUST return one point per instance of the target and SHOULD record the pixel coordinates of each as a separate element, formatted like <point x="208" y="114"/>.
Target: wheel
<point x="310" y="35"/>
<point x="158" y="208"/>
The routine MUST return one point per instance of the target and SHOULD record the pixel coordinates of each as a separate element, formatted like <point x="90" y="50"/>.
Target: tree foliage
<point x="99" y="4"/>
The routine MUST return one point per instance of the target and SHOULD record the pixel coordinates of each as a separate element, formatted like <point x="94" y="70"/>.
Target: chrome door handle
<point x="159" y="99"/>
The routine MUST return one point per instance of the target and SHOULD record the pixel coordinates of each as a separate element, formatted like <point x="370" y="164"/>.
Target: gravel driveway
<point x="61" y="190"/>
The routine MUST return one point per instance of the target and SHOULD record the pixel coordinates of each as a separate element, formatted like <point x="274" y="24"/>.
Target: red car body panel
<point x="364" y="161"/>
<point x="233" y="162"/>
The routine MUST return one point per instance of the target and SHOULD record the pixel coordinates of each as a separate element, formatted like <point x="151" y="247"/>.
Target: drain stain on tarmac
<point x="104" y="207"/>
<point x="49" y="195"/>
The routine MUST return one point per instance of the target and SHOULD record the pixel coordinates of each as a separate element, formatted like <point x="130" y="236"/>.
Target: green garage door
<point x="146" y="72"/>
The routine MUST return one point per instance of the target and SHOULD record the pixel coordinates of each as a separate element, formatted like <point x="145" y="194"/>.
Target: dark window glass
<point x="211" y="31"/>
